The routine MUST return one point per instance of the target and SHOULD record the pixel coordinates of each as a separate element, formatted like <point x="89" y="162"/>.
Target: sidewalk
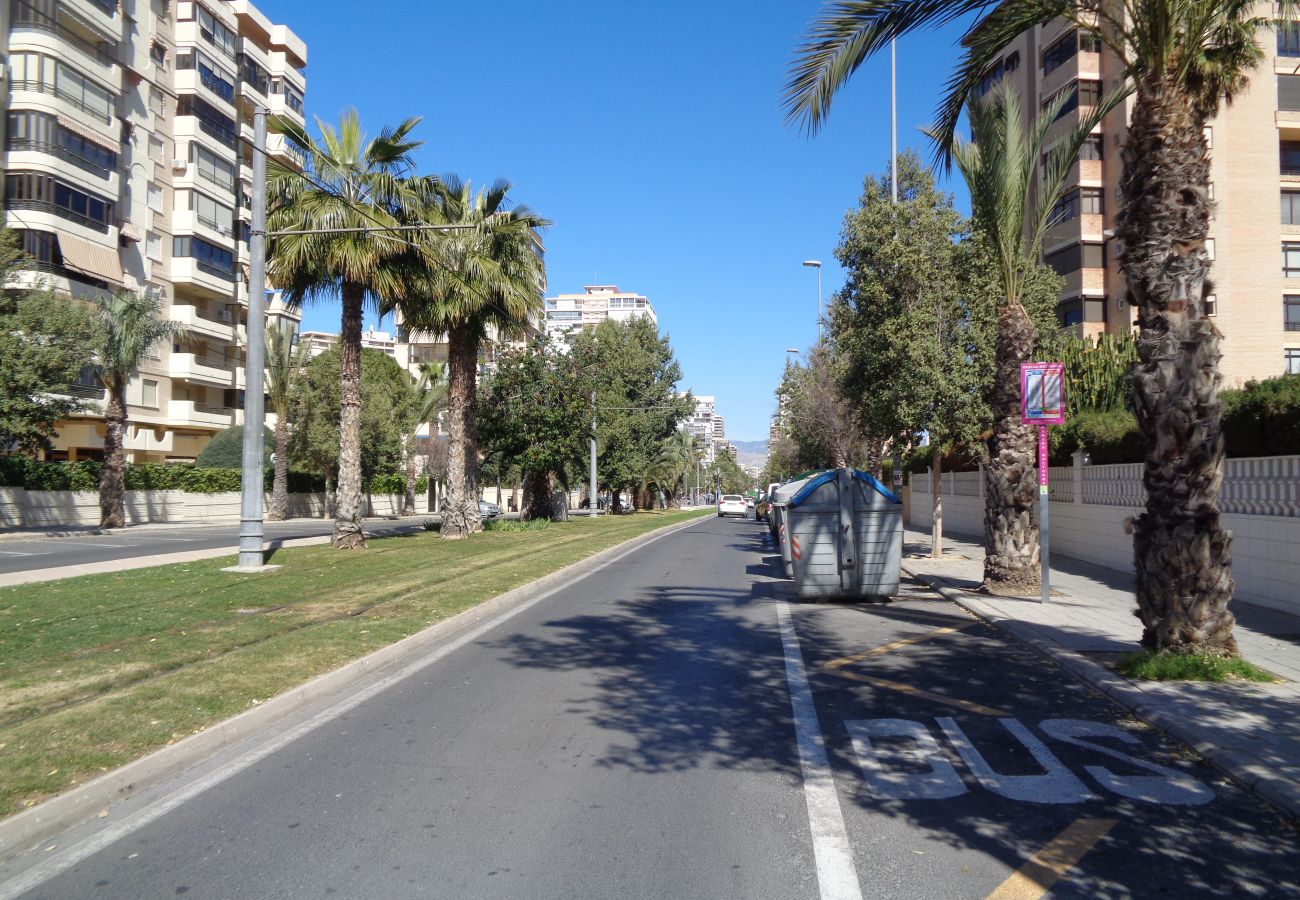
<point x="1250" y="731"/>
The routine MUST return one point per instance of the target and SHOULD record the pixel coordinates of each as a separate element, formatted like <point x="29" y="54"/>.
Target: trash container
<point x="780" y="498"/>
<point x="845" y="532"/>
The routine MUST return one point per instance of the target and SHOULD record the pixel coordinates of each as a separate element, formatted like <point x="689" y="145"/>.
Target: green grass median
<point x="100" y="670"/>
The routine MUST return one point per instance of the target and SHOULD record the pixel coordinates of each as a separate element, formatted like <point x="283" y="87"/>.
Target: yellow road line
<point x="845" y="660"/>
<point x="926" y="695"/>
<point x="1036" y="877"/>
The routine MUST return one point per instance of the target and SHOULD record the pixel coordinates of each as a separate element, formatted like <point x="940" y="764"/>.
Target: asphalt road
<point x="21" y="554"/>
<point x="633" y="735"/>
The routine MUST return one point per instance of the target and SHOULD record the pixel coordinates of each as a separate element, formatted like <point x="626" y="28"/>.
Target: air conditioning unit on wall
<point x="180" y="165"/>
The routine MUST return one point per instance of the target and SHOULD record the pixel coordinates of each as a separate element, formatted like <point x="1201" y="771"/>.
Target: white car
<point x="731" y="505"/>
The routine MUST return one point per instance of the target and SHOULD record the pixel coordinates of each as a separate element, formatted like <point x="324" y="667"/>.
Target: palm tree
<point x="676" y="461"/>
<point x="130" y="327"/>
<point x="349" y="182"/>
<point x="431" y="391"/>
<point x="284" y="360"/>
<point x="1180" y="59"/>
<point x="487" y="278"/>
<point x="1013" y="211"/>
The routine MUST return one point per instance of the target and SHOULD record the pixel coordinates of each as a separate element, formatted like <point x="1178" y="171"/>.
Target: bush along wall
<point x="84" y="476"/>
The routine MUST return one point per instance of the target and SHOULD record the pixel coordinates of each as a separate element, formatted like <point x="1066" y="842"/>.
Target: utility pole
<point x="252" y="485"/>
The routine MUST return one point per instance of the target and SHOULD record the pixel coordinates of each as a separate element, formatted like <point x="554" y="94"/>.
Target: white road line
<point x="61" y="862"/>
<point x="177" y="540"/>
<point x="25" y="552"/>
<point x="837" y="877"/>
<point x="96" y="544"/>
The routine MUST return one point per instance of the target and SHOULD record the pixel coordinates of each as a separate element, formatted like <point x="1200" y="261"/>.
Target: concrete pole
<point x="253" y="482"/>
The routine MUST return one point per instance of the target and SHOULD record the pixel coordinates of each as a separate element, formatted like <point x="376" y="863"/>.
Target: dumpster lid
<point x="814" y="483"/>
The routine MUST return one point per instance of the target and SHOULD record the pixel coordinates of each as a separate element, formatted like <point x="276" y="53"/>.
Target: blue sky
<point x="651" y="134"/>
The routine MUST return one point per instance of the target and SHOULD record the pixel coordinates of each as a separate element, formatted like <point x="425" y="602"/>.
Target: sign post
<point x="1042" y="403"/>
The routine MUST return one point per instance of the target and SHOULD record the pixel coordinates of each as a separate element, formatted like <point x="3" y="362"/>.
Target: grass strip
<point x="1149" y="665"/>
<point x="99" y="670"/>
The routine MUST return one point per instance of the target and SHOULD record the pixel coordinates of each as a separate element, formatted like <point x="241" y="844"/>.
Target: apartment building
<point x="1254" y="147"/>
<point x="567" y="315"/>
<point x="128" y="166"/>
<point x="317" y="342"/>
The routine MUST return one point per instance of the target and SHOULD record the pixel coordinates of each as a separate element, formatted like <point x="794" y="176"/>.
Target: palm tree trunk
<point x="460" y="516"/>
<point x="936" y="492"/>
<point x="112" y="512"/>
<point x="1011" y="489"/>
<point x="408" y="502"/>
<point x="538" y="494"/>
<point x="1181" y="551"/>
<point x="347" y="506"/>
<point x="325" y="507"/>
<point x="280" y="486"/>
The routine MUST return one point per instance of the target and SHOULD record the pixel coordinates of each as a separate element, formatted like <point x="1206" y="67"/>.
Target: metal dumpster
<point x="778" y="519"/>
<point x="845" y="532"/>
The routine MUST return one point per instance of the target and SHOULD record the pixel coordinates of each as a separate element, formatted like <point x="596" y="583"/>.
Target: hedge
<point x="17" y="471"/>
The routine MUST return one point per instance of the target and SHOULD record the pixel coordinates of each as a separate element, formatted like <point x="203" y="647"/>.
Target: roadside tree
<point x="284" y="363"/>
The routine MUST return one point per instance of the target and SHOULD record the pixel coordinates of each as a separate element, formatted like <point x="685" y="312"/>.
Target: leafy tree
<point x="678" y="455"/>
<point x="284" y="363"/>
<point x="130" y="326"/>
<point x="726" y="476"/>
<point x="637" y="404"/>
<point x="484" y="279"/>
<point x="349" y="182"/>
<point x="1180" y="59"/>
<point x="821" y="428"/>
<point x="315" y="402"/>
<point x="45" y="342"/>
<point x="226" y="449"/>
<point x="430" y="399"/>
<point x="535" y="411"/>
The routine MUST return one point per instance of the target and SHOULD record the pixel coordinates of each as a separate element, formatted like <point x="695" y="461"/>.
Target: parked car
<point x="731" y="505"/>
<point x="763" y="507"/>
<point x="488" y="510"/>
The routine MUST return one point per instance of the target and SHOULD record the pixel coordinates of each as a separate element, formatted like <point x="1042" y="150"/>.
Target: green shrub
<point x="394" y="484"/>
<point x="512" y="525"/>
<point x="1263" y="418"/>
<point x="226" y="449"/>
<point x="1107" y="437"/>
<point x="955" y="459"/>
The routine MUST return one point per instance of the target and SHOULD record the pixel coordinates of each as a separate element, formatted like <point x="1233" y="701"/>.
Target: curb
<point x="1249" y="772"/>
<point x="24" y="830"/>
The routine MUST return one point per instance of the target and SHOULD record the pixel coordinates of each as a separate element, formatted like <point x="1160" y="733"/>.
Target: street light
<point x="817" y="264"/>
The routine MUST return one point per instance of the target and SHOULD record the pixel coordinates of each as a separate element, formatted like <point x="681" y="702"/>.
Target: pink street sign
<point x="1042" y="393"/>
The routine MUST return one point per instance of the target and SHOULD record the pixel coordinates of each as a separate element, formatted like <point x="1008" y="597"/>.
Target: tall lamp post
<point x="817" y="264"/>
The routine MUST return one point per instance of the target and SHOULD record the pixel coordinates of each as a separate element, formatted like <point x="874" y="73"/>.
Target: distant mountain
<point x="751" y="453"/>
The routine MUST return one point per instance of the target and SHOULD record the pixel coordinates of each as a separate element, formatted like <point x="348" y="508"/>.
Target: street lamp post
<point x="817" y="264"/>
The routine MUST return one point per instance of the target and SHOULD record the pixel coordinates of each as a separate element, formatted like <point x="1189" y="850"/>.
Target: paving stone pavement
<point x="1251" y="731"/>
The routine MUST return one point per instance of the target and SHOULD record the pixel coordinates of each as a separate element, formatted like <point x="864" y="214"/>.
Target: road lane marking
<point x="886" y="684"/>
<point x="837" y="877"/>
<point x="1046" y="867"/>
<point x="97" y="544"/>
<point x="65" y="859"/>
<point x="1057" y="784"/>
<point x="885" y="648"/>
<point x="25" y="553"/>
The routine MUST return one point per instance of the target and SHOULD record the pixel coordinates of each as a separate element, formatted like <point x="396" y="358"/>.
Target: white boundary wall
<point x="55" y="509"/>
<point x="1260" y="502"/>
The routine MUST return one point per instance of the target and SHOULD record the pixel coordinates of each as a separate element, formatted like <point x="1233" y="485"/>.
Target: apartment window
<point x="1292" y="360"/>
<point x="1289" y="153"/>
<point x="38" y="72"/>
<point x="1060" y="52"/>
<point x="211" y="120"/>
<point x="214" y="31"/>
<point x="153" y="246"/>
<point x="292" y="96"/>
<point x="1291" y="260"/>
<point x="1092" y="147"/>
<point x="1071" y="103"/>
<point x="253" y="75"/>
<point x="32" y="190"/>
<point x="210" y="213"/>
<point x="210" y="258"/>
<point x="156" y="197"/>
<point x="157" y="148"/>
<point x="42" y="132"/>
<point x="1079" y="256"/>
<point x="157" y="103"/>
<point x="212" y="78"/>
<point x="1089" y="43"/>
<point x="1211" y="303"/>
<point x="149" y="393"/>
<point x="1288" y="40"/>
<point x="1291" y="207"/>
<point x="158" y="53"/>
<point x="1291" y="312"/>
<point x="1288" y="92"/>
<point x="212" y="167"/>
<point x="1011" y="62"/>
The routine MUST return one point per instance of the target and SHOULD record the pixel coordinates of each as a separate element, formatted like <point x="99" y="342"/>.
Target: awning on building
<point x="93" y="259"/>
<point x="90" y="134"/>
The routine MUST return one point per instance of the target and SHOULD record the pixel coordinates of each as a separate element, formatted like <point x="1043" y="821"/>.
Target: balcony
<point x="202" y="369"/>
<point x="204" y="279"/>
<point x="203" y="323"/>
<point x="285" y="150"/>
<point x="192" y="413"/>
<point x="95" y="52"/>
